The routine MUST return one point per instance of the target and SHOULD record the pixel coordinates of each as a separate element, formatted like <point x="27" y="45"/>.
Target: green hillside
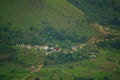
<point x="106" y="12"/>
<point x="35" y="16"/>
<point x="59" y="39"/>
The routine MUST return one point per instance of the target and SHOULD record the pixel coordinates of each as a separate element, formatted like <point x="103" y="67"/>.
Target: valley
<point x="60" y="40"/>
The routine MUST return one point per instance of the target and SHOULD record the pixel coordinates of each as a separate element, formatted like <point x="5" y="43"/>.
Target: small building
<point x="48" y="53"/>
<point x="74" y="48"/>
<point x="92" y="56"/>
<point x="36" y="47"/>
<point x="57" y="49"/>
<point x="44" y="47"/>
<point x="65" y="51"/>
<point x="29" y="46"/>
<point x="52" y="48"/>
<point x="23" y="45"/>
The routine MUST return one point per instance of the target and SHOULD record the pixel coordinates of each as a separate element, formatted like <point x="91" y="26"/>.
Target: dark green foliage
<point x="43" y="36"/>
<point x="4" y="34"/>
<point x="115" y="21"/>
<point x="37" y="79"/>
<point x="62" y="35"/>
<point x="82" y="78"/>
<point x="5" y="49"/>
<point x="51" y="78"/>
<point x="110" y="44"/>
<point x="65" y="57"/>
<point x="60" y="78"/>
<point x="117" y="71"/>
<point x="10" y="36"/>
<point x="26" y="58"/>
<point x="110" y="36"/>
<point x="106" y="78"/>
<point x="4" y="77"/>
<point x="105" y="12"/>
<point x="62" y="57"/>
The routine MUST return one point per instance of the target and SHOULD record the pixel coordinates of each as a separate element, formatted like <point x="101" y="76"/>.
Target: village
<point x="54" y="48"/>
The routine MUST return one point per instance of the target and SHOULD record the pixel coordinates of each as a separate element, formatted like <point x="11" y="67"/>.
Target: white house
<point x="74" y="48"/>
<point x="44" y="47"/>
<point x="93" y="56"/>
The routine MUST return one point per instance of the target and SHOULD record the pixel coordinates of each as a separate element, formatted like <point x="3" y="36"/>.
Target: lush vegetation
<point x="110" y="44"/>
<point x="104" y="11"/>
<point x="47" y="35"/>
<point x="32" y="18"/>
<point x="60" y="24"/>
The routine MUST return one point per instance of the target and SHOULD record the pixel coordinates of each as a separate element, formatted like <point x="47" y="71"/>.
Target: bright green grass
<point x="56" y="13"/>
<point x="78" y="70"/>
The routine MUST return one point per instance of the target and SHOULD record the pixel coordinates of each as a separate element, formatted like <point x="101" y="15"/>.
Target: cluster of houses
<point x="47" y="48"/>
<point x="36" y="47"/>
<point x="55" y="48"/>
<point x="27" y="46"/>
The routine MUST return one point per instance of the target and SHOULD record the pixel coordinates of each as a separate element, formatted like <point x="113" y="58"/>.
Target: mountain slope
<point x="57" y="40"/>
<point x="106" y="12"/>
<point x="25" y="18"/>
